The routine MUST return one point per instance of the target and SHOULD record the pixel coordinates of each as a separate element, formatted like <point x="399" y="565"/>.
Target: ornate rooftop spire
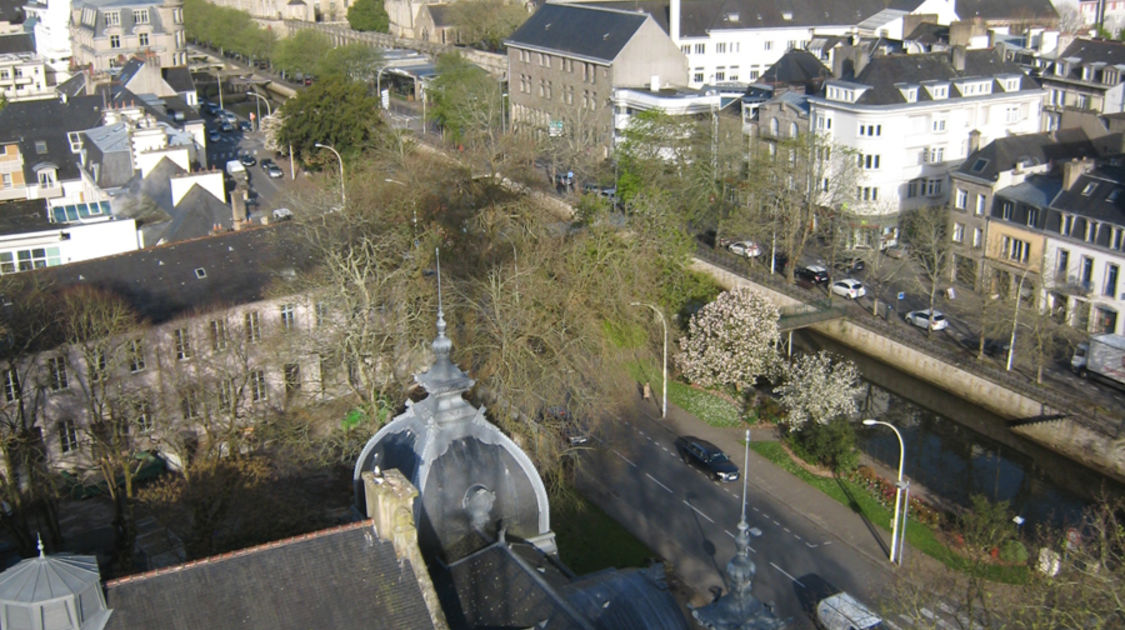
<point x="443" y="377"/>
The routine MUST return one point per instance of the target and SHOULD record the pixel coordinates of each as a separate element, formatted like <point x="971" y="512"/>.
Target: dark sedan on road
<point x="707" y="457"/>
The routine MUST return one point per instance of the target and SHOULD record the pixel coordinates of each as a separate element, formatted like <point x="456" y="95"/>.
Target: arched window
<point x="775" y="126"/>
<point x="793" y="130"/>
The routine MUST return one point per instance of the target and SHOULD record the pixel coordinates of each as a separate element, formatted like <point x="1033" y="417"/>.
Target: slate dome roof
<point x="471" y="478"/>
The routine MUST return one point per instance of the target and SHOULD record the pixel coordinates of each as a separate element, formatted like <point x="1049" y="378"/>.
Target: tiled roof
<point x="161" y="283"/>
<point x="179" y="78"/>
<point x="580" y="30"/>
<point x="41" y="127"/>
<point x="24" y="215"/>
<point x="795" y="66"/>
<point x="11" y="11"/>
<point x="440" y="14"/>
<point x="1003" y="154"/>
<point x="345" y="578"/>
<point x="1100" y="201"/>
<point x="1013" y="10"/>
<point x="882" y="74"/>
<point x="699" y="17"/>
<point x="1094" y="50"/>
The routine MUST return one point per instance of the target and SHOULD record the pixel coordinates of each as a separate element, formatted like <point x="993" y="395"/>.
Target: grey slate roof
<point x="926" y="33"/>
<point x="127" y="23"/>
<point x="17" y="43"/>
<point x="1042" y="11"/>
<point x="344" y="578"/>
<point x="48" y="121"/>
<point x="514" y="585"/>
<point x="440" y="14"/>
<point x="698" y="17"/>
<point x="1036" y="190"/>
<point x="179" y="78"/>
<point x="1002" y="155"/>
<point x="197" y="214"/>
<point x="24" y="215"/>
<point x="11" y="11"/>
<point x="1094" y="50"/>
<point x="1099" y="204"/>
<point x="883" y="72"/>
<point x="580" y="30"/>
<point x="160" y="283"/>
<point x="796" y="66"/>
<point x="40" y="588"/>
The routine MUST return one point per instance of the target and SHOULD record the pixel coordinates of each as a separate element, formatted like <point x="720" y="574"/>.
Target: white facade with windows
<point x="908" y="131"/>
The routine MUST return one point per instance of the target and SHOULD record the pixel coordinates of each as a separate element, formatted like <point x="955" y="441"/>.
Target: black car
<point x="247" y="160"/>
<point x="707" y="457"/>
<point x="813" y="274"/>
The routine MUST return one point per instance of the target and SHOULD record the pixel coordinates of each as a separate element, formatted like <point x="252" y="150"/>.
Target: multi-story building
<point x="909" y="118"/>
<point x="1001" y="165"/>
<point x="1085" y="247"/>
<point x="566" y="61"/>
<point x="25" y="76"/>
<point x="1088" y="76"/>
<point x="52" y="32"/>
<point x="105" y="34"/>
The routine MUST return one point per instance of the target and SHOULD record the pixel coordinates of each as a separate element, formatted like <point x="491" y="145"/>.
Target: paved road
<point x="634" y="474"/>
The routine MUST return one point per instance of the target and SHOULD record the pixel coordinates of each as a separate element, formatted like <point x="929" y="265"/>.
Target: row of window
<point x="1086" y="272"/>
<point x="113" y="18"/>
<point x="959" y="235"/>
<point x="721" y="48"/>
<point x="924" y="187"/>
<point x="566" y="64"/>
<point x="142" y="40"/>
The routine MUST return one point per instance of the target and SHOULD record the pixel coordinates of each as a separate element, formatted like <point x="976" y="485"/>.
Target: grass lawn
<point x="589" y="540"/>
<point x="860" y="501"/>
<point x="714" y="410"/>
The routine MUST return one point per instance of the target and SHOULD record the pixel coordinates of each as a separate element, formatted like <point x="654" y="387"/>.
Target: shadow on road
<point x="854" y="506"/>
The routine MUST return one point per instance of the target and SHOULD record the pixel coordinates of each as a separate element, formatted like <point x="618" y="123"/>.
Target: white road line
<point x="797" y="536"/>
<point x="793" y="579"/>
<point x="698" y="511"/>
<point x="727" y="532"/>
<point x="624" y="458"/>
<point x="657" y="482"/>
<point x="755" y="509"/>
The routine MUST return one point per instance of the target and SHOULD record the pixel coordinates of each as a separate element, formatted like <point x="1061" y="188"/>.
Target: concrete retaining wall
<point x="1065" y="436"/>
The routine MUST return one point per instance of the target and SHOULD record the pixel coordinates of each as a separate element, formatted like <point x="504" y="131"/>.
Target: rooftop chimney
<point x="974" y="141"/>
<point x="1073" y="169"/>
<point x="957" y="58"/>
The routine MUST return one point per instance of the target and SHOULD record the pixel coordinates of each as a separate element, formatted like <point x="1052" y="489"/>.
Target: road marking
<point x="624" y="458"/>
<point x="797" y="536"/>
<point x="793" y="579"/>
<point x="698" y="511"/>
<point x="657" y="482"/>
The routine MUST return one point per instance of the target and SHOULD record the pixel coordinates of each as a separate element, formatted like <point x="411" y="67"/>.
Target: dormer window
<point x="1089" y="189"/>
<point x="41" y="147"/>
<point x="909" y="92"/>
<point x="938" y="91"/>
<point x="1087" y="73"/>
<point x="112" y="18"/>
<point x="140" y="16"/>
<point x="1011" y="84"/>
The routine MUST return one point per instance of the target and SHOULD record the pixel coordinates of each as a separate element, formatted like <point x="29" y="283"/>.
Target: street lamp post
<point x="664" y="403"/>
<point x="219" y="82"/>
<point x="258" y="104"/>
<point x="343" y="190"/>
<point x="896" y="553"/>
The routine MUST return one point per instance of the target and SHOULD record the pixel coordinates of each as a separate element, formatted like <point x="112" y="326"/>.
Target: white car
<point x="748" y="249"/>
<point x="849" y="288"/>
<point x="926" y="319"/>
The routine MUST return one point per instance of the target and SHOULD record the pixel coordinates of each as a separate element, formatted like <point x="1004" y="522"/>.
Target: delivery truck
<point x="1101" y="358"/>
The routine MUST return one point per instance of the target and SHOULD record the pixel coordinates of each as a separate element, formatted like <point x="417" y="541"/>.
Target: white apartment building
<point x="909" y="118"/>
<point x="52" y="32"/>
<point x="24" y="76"/>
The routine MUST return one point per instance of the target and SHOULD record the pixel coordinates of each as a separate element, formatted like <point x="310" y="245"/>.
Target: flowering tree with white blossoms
<point x="819" y="387"/>
<point x="730" y="341"/>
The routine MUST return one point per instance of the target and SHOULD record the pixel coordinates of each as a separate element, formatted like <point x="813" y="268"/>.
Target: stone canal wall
<point x="1095" y="441"/>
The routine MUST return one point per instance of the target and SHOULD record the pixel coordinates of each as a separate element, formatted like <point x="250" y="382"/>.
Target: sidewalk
<point x="835" y="519"/>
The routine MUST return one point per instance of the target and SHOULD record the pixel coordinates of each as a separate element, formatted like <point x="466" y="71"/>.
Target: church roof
<point x="345" y="578"/>
<point x="62" y="592"/>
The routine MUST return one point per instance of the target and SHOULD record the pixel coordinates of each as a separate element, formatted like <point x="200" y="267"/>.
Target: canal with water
<point x="955" y="449"/>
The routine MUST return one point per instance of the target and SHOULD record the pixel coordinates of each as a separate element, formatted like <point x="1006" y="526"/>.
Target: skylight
<point x="979" y="165"/>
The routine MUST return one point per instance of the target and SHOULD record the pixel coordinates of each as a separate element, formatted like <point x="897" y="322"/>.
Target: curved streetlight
<point x="896" y="535"/>
<point x="269" y="110"/>
<point x="343" y="193"/>
<point x="664" y="404"/>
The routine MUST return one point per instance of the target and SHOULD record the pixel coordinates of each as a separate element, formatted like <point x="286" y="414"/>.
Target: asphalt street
<point x="634" y="474"/>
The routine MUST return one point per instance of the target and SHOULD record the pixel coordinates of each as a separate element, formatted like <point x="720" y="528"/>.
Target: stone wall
<point x="1066" y="436"/>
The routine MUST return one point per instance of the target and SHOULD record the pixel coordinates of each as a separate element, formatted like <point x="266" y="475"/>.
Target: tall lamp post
<point x="343" y="191"/>
<point x="896" y="535"/>
<point x="258" y="103"/>
<point x="664" y="403"/>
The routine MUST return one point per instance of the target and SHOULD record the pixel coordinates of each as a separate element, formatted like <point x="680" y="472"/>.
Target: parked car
<point x="812" y="274"/>
<point x="271" y="168"/>
<point x="898" y="251"/>
<point x="849" y="288"/>
<point x="244" y="125"/>
<point x="925" y="319"/>
<point x="992" y="347"/>
<point x="214" y="135"/>
<point x="282" y="214"/>
<point x="850" y="264"/>
<point x="749" y="249"/>
<point x="833" y="609"/>
<point x="247" y="160"/>
<point x="707" y="457"/>
<point x="226" y="127"/>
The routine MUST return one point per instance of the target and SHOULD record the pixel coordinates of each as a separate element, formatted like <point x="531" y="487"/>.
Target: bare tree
<point x="927" y="232"/>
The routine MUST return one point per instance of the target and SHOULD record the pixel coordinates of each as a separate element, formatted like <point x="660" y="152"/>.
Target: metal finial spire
<point x="440" y="313"/>
<point x="745" y="467"/>
<point x="42" y="547"/>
